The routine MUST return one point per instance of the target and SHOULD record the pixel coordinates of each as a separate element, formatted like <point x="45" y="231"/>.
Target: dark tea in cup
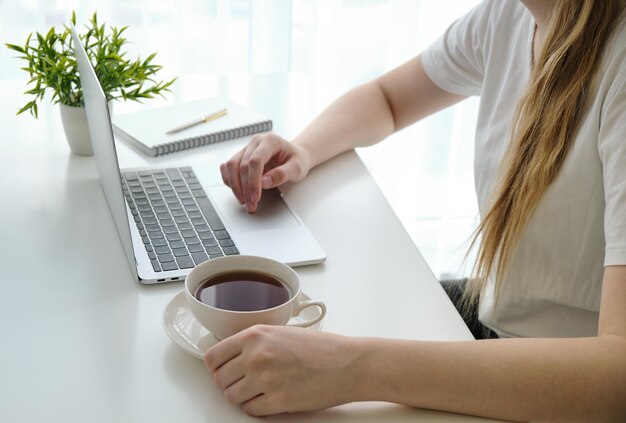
<point x="232" y="293"/>
<point x="243" y="291"/>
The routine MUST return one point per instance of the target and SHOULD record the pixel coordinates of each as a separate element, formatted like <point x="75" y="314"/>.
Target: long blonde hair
<point x="545" y="122"/>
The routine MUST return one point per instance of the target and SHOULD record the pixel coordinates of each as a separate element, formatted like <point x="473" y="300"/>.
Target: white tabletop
<point x="82" y="341"/>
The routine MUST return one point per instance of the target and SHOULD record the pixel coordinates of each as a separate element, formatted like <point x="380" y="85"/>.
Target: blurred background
<point x="425" y="171"/>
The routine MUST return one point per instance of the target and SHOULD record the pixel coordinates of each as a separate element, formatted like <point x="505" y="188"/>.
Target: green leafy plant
<point x="51" y="64"/>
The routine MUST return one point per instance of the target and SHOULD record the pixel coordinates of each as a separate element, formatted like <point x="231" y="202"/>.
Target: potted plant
<point x="52" y="67"/>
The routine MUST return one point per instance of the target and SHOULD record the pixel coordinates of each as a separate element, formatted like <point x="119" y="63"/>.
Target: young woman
<point x="551" y="182"/>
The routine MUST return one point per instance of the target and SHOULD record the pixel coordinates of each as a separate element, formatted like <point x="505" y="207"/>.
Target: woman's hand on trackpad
<point x="266" y="162"/>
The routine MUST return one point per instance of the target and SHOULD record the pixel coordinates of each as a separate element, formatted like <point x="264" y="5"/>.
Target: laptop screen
<point x="103" y="145"/>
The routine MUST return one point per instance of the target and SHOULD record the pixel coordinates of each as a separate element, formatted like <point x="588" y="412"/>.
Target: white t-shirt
<point x="553" y="285"/>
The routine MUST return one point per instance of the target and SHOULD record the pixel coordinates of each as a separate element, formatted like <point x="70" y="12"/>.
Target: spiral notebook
<point x="147" y="129"/>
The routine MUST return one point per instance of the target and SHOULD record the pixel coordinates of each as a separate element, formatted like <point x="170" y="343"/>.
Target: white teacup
<point x="223" y="323"/>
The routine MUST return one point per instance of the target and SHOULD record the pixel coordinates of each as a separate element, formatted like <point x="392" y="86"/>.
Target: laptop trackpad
<point x="272" y="212"/>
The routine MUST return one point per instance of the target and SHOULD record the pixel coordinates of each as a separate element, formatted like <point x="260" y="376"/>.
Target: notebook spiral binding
<point x="187" y="143"/>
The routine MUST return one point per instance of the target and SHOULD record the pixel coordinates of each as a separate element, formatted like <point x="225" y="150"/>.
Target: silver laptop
<point x="171" y="219"/>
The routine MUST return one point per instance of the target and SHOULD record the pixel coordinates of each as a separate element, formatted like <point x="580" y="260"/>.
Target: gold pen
<point x="204" y="119"/>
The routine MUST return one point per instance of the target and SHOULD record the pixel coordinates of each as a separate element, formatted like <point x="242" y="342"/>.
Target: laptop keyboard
<point x="177" y="222"/>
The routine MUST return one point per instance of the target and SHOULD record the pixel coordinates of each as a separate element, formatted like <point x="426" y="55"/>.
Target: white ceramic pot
<point x="76" y="130"/>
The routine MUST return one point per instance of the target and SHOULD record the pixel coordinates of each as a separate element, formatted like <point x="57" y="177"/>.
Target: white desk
<point x="81" y="341"/>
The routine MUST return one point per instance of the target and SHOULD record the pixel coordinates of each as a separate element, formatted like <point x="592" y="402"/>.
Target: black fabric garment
<point x="455" y="289"/>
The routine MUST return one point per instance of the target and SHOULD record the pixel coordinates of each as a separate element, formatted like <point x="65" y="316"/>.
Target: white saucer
<point x="184" y="329"/>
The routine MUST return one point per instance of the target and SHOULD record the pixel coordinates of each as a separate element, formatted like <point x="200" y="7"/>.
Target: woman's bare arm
<point x="373" y="111"/>
<point x="361" y="117"/>
<point x="579" y="379"/>
<point x="270" y="370"/>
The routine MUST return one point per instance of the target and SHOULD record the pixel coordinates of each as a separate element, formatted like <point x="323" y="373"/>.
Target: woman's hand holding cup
<point x="266" y="162"/>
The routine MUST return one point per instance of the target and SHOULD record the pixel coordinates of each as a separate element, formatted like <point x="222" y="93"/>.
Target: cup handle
<point x="306" y="304"/>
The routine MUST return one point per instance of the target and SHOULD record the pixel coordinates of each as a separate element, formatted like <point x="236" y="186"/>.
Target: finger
<point x="280" y="174"/>
<point x="258" y="406"/>
<point x="241" y="391"/>
<point x="244" y="176"/>
<point x="232" y="167"/>
<point x="259" y="158"/>
<point x="224" y="172"/>
<point x="223" y="352"/>
<point x="229" y="372"/>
